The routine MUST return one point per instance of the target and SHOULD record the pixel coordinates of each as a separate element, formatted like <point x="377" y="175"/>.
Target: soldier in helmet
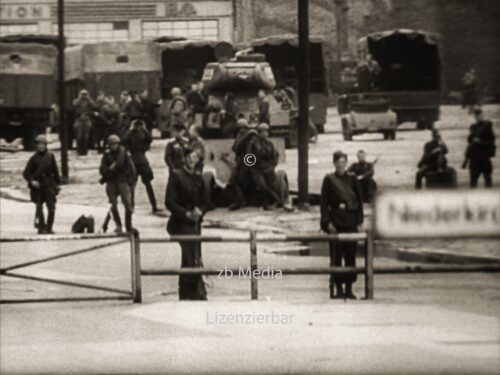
<point x="174" y="151"/>
<point x="240" y="174"/>
<point x="119" y="174"/>
<point x="83" y="107"/>
<point x="138" y="141"/>
<point x="42" y="175"/>
<point x="266" y="158"/>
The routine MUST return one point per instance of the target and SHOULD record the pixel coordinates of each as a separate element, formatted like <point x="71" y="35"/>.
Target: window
<point x="203" y="29"/>
<point x="94" y="32"/>
<point x="19" y="29"/>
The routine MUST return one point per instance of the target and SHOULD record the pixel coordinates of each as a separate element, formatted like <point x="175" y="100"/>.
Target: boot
<point x="40" y="219"/>
<point x="340" y="291"/>
<point x="152" y="198"/>
<point x="348" y="292"/>
<point x="50" y="221"/>
<point x="128" y="221"/>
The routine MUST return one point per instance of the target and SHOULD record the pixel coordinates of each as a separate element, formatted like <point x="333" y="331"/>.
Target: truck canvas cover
<point x="109" y="57"/>
<point x="408" y="59"/>
<point x="28" y="59"/>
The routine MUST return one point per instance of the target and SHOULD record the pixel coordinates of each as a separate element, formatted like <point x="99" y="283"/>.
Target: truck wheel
<point x="392" y="135"/>
<point x="320" y="128"/>
<point x="347" y="136"/>
<point x="424" y="125"/>
<point x="386" y="135"/>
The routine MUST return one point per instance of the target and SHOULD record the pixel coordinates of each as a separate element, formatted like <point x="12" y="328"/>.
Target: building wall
<point x="100" y="20"/>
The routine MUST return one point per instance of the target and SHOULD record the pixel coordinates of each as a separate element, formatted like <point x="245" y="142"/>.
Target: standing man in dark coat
<point x="264" y="110"/>
<point x="341" y="212"/>
<point x="240" y="174"/>
<point x="119" y="174"/>
<point x="132" y="110"/>
<point x="266" y="159"/>
<point x="434" y="150"/>
<point x="364" y="172"/>
<point x="174" y="151"/>
<point x="83" y="107"/>
<point x="43" y="178"/>
<point x="138" y="141"/>
<point x="148" y="110"/>
<point x="185" y="198"/>
<point x="480" y="150"/>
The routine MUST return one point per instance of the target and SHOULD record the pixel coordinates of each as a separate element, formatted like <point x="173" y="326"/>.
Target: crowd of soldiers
<point x="343" y="192"/>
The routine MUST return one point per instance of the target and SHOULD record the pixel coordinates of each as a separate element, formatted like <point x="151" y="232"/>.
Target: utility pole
<point x="342" y="20"/>
<point x="303" y="126"/>
<point x="63" y="129"/>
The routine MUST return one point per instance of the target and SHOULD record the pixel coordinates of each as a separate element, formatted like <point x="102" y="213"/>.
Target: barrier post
<point x="135" y="249"/>
<point x="369" y="265"/>
<point x="253" y="265"/>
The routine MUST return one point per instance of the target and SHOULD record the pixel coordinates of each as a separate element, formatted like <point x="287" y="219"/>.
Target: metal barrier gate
<point x="119" y="294"/>
<point x="253" y="238"/>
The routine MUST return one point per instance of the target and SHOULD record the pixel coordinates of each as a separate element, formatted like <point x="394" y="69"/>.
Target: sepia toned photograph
<point x="249" y="187"/>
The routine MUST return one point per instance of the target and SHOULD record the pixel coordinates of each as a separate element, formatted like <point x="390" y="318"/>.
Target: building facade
<point x="108" y="20"/>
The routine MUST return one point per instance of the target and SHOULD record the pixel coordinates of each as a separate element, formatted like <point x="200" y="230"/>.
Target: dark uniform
<point x="480" y="153"/>
<point x="83" y="107"/>
<point x="138" y="141"/>
<point x="342" y="206"/>
<point x="42" y="168"/>
<point x="197" y="144"/>
<point x="119" y="174"/>
<point x="364" y="171"/>
<point x="174" y="153"/>
<point x="263" y="173"/>
<point x="430" y="160"/>
<point x="132" y="110"/>
<point x="264" y="111"/>
<point x="148" y="112"/>
<point x="240" y="175"/>
<point x="110" y="114"/>
<point x="185" y="191"/>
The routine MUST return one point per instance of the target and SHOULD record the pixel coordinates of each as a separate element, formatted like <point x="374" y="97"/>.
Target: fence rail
<point x="252" y="238"/>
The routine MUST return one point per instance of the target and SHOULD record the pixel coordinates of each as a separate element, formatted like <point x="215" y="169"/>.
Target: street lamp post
<point x="303" y="126"/>
<point x="63" y="130"/>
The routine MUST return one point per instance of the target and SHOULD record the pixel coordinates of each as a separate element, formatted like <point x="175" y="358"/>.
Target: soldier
<point x="364" y="172"/>
<point x="198" y="145"/>
<point x="433" y="151"/>
<point x="42" y="175"/>
<point x="83" y="107"/>
<point x="264" y="114"/>
<point x="178" y="108"/>
<point x="110" y="114"/>
<point x="196" y="103"/>
<point x="132" y="110"/>
<point x="119" y="174"/>
<point x="148" y="110"/>
<point x="341" y="212"/>
<point x="185" y="198"/>
<point x="138" y="141"/>
<point x="481" y="148"/>
<point x="240" y="174"/>
<point x="470" y="97"/>
<point x="262" y="171"/>
<point x="174" y="151"/>
<point x="99" y="128"/>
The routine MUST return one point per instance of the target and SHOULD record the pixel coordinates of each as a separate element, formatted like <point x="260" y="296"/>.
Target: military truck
<point x="113" y="67"/>
<point x="282" y="51"/>
<point x="28" y="79"/>
<point x="401" y="66"/>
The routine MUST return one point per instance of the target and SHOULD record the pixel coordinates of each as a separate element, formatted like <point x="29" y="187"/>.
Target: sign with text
<point x="431" y="214"/>
<point x="24" y="12"/>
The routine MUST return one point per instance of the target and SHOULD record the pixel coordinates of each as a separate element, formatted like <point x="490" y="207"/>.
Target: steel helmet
<point x="262" y="126"/>
<point x="113" y="139"/>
